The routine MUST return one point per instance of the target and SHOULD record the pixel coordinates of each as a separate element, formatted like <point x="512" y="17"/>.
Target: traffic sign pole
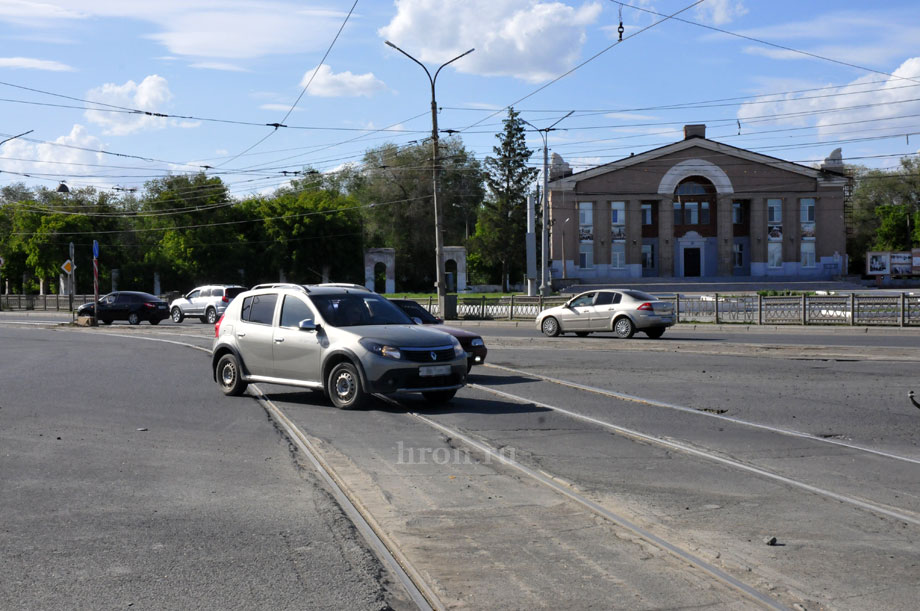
<point x="95" y="281"/>
<point x="71" y="278"/>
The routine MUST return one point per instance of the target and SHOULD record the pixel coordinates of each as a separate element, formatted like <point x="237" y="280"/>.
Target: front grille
<point x="423" y="355"/>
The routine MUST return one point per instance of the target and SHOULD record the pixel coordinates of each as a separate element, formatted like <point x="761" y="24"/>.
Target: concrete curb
<point x="723" y="328"/>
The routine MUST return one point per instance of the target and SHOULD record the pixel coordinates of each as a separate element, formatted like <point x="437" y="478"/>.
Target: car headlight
<point x="477" y="342"/>
<point x="458" y="349"/>
<point x="384" y="350"/>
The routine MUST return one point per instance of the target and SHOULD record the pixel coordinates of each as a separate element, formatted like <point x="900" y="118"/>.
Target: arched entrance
<point x="380" y="277"/>
<point x="694" y="209"/>
<point x="380" y="269"/>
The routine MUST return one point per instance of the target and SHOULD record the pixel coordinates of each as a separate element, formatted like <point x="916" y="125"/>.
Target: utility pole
<point x="440" y="284"/>
<point x="544" y="240"/>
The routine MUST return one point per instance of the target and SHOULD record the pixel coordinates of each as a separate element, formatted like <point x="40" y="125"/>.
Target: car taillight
<point x="646" y="306"/>
<point x="152" y="306"/>
<point x="217" y="326"/>
<point x="225" y="299"/>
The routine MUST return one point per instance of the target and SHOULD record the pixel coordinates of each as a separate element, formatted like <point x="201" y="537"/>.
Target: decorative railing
<point x="851" y="309"/>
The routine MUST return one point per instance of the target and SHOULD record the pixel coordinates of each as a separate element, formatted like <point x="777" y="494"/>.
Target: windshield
<point x="416" y="311"/>
<point x="353" y="310"/>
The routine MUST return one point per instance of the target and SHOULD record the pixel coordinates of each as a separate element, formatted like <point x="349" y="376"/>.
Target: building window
<point x="808" y="254"/>
<point x="618" y="254"/>
<point x="586" y="222"/>
<point x="648" y="256"/>
<point x="678" y="214"/>
<point x="704" y="213"/>
<point x="738" y="250"/>
<point x="807" y="206"/>
<point x="774" y="211"/>
<point x="737" y="213"/>
<point x="775" y="255"/>
<point x="647" y="214"/>
<point x="586" y="255"/>
<point x="617" y="220"/>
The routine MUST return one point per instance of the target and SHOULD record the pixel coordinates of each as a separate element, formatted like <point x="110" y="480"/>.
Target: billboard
<point x="877" y="263"/>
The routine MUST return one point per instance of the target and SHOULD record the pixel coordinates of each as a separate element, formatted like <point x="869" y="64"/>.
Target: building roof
<point x="826" y="175"/>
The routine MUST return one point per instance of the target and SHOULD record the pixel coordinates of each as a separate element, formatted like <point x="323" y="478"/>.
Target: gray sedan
<point x="623" y="311"/>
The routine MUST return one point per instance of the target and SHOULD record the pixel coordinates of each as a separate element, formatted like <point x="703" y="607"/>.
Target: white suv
<point x="345" y="340"/>
<point x="204" y="302"/>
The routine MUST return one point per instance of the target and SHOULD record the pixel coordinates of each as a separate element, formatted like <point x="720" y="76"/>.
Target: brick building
<point x="698" y="208"/>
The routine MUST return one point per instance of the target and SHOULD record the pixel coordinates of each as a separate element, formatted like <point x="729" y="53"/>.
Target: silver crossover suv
<point x="204" y="302"/>
<point x="345" y="340"/>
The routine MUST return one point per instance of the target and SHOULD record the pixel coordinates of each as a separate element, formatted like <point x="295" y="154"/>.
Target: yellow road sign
<point x="68" y="266"/>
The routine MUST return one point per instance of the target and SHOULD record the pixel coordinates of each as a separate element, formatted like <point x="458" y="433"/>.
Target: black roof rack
<point x="280" y="285"/>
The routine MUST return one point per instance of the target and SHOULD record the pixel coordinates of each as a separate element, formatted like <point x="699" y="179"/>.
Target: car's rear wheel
<point x="177" y="315"/>
<point x="655" y="333"/>
<point x="134" y="318"/>
<point x="211" y="316"/>
<point x="344" y="387"/>
<point x="624" y="327"/>
<point x="439" y="396"/>
<point x="550" y="326"/>
<point x="228" y="376"/>
<point x="581" y="333"/>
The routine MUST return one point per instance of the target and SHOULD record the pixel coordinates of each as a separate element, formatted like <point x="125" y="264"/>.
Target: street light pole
<point x="440" y="284"/>
<point x="544" y="239"/>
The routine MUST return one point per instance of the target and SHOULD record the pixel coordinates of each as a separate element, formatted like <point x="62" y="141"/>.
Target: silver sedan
<point x="623" y="311"/>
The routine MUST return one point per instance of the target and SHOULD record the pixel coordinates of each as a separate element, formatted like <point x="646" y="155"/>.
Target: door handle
<point x="241" y="334"/>
<point x="279" y="340"/>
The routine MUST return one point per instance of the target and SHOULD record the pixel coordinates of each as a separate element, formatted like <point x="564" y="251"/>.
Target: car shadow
<point x="400" y="404"/>
<point x="495" y="380"/>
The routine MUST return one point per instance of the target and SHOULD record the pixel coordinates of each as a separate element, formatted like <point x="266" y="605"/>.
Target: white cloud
<point x="232" y="29"/>
<point x="39" y="159"/>
<point x="218" y="66"/>
<point x="151" y="95"/>
<point x="28" y="63"/>
<point x="531" y="40"/>
<point x="840" y="116"/>
<point x="720" y="12"/>
<point x="327" y="84"/>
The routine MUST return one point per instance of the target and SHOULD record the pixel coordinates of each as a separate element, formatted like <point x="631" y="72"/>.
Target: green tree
<point x="885" y="210"/>
<point x="500" y="232"/>
<point x="394" y="186"/>
<point x="312" y="234"/>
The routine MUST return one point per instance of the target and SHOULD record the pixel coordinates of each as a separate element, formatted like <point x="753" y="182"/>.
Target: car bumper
<point x="476" y="355"/>
<point x="409" y="379"/>
<point x="652" y="321"/>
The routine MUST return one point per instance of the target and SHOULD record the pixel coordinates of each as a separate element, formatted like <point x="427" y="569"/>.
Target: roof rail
<point x="346" y="285"/>
<point x="280" y="285"/>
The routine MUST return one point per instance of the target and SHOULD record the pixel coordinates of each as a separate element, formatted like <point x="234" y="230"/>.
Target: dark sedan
<point x="132" y="306"/>
<point x="475" y="348"/>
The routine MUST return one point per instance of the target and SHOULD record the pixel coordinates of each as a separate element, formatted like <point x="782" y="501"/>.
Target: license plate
<point x="434" y="370"/>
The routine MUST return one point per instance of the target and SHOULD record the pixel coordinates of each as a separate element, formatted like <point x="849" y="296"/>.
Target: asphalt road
<point x="129" y="481"/>
<point x="703" y="470"/>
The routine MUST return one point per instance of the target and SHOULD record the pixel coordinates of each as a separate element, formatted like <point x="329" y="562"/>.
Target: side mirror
<point x="308" y="324"/>
<point x="417" y="320"/>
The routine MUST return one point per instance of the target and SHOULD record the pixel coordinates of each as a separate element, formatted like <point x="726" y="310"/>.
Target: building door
<point x="691" y="262"/>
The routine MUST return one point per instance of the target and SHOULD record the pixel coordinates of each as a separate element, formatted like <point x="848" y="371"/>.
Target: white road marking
<point x="696" y="412"/>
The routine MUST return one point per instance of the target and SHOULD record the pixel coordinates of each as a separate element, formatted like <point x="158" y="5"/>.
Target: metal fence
<point x="851" y="309"/>
<point x="42" y="302"/>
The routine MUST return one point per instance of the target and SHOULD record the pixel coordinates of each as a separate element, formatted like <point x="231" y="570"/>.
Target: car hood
<point x="400" y="335"/>
<point x="458" y="333"/>
<point x="179" y="301"/>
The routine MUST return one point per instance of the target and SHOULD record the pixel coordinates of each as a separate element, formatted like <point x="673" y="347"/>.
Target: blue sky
<point x="222" y="70"/>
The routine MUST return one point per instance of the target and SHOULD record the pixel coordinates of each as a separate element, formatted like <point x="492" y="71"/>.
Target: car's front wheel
<point x="344" y="387"/>
<point x="550" y="327"/>
<point x="655" y="333"/>
<point x="177" y="315"/>
<point x="624" y="327"/>
<point x="439" y="396"/>
<point x="228" y="376"/>
<point x="134" y="318"/>
<point x="211" y="316"/>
